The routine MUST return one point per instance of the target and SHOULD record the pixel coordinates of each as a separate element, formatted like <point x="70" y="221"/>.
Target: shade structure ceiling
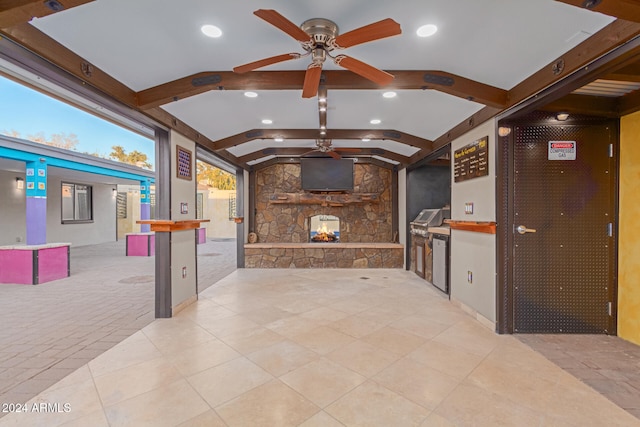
<point x="155" y="49"/>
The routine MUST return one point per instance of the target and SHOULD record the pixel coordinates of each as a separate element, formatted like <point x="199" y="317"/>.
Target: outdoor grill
<point x="429" y="218"/>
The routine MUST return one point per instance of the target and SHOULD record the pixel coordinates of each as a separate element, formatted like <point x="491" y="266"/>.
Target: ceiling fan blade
<point x="376" y="31"/>
<point x="311" y="80"/>
<point x="264" y="62"/>
<point x="349" y="150"/>
<point x="279" y="21"/>
<point x="365" y="70"/>
<point x="334" y="155"/>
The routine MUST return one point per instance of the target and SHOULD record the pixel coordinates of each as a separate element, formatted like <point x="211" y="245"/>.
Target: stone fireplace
<point x="324" y="229"/>
<point x="288" y="218"/>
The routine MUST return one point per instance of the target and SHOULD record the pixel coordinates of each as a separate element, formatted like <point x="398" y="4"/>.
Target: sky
<point x="30" y="112"/>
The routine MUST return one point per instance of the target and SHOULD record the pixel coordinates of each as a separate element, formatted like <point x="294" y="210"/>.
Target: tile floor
<point x="320" y="348"/>
<point x="50" y="330"/>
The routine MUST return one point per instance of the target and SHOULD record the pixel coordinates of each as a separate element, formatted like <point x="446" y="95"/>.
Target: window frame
<point x="74" y="200"/>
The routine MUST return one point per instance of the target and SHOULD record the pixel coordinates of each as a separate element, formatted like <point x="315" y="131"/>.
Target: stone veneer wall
<point x="289" y="223"/>
<point x="335" y="257"/>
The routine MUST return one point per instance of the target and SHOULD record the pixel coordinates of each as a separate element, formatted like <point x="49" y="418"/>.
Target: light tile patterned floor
<point x="321" y="348"/>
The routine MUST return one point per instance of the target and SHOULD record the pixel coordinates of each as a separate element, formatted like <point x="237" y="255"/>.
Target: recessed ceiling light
<point x="366" y="139"/>
<point x="322" y="99"/>
<point x="389" y="94"/>
<point x="427" y="30"/>
<point x="267" y="121"/>
<point x="211" y="31"/>
<point x="278" y="139"/>
<point x="251" y="94"/>
<point x="375" y="121"/>
<point x="323" y="109"/>
<point x="323" y="132"/>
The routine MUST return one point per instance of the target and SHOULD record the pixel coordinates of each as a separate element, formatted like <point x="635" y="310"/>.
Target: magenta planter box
<point x="34" y="264"/>
<point x="201" y="235"/>
<point x="141" y="244"/>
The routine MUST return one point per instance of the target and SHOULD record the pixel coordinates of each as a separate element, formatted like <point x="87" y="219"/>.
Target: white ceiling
<point x="145" y="43"/>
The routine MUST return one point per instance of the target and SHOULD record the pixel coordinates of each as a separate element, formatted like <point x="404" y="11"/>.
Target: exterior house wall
<point x="13" y="228"/>
<point x="101" y="230"/>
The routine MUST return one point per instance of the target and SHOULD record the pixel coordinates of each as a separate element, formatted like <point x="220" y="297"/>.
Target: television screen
<point x="326" y="174"/>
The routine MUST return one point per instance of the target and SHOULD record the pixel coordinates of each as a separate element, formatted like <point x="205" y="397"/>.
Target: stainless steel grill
<point x="429" y="218"/>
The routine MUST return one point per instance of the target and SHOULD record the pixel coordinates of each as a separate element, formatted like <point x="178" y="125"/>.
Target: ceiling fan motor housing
<point x="321" y="31"/>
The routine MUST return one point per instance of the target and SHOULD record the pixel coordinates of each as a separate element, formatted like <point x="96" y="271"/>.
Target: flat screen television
<point x="326" y="174"/>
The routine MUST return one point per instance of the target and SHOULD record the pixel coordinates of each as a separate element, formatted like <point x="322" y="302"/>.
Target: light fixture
<point x="322" y="99"/>
<point x="365" y="139"/>
<point x="389" y="94"/>
<point x="562" y="116"/>
<point x="323" y="109"/>
<point x="375" y="121"/>
<point x="19" y="183"/>
<point x="427" y="30"/>
<point x="504" y="131"/>
<point x="323" y="126"/>
<point x="278" y="139"/>
<point x="323" y="132"/>
<point x="251" y="94"/>
<point x="211" y="31"/>
<point x="267" y="121"/>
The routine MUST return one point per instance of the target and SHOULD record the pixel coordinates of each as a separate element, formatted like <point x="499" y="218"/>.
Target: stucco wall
<point x="13" y="223"/>
<point x="101" y="230"/>
<point x="629" y="230"/>
<point x="471" y="251"/>
<point x="216" y="209"/>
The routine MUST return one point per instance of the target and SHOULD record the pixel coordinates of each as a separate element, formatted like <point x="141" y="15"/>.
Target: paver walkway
<point x="50" y="330"/>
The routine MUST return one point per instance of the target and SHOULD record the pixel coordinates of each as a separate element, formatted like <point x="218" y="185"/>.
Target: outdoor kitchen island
<point x="324" y="255"/>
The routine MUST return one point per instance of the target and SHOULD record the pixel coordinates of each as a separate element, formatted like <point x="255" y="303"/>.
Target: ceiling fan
<point x="318" y="37"/>
<point x="324" y="146"/>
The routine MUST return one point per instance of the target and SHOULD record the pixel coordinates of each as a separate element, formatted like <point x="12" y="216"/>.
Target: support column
<point x="163" y="211"/>
<point x="145" y="204"/>
<point x="36" y="201"/>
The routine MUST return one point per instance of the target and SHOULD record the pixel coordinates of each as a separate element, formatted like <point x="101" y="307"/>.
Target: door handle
<point x="522" y="229"/>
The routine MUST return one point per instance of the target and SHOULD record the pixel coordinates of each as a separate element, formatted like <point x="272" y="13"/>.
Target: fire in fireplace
<point x="324" y="229"/>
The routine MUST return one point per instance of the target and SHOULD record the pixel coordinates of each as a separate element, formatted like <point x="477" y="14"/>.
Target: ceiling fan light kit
<point x="318" y="37"/>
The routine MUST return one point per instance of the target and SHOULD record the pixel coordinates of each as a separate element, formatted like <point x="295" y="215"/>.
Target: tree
<point x="133" y="158"/>
<point x="60" y="140"/>
<point x="207" y="174"/>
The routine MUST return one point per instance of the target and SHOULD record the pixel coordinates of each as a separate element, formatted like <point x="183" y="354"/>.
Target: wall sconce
<point x="504" y="131"/>
<point x="19" y="183"/>
<point x="562" y="116"/>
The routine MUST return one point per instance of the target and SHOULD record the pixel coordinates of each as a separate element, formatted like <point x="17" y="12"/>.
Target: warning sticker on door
<point x="562" y="150"/>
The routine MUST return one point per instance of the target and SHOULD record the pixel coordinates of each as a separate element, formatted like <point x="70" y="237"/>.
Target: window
<point x="77" y="203"/>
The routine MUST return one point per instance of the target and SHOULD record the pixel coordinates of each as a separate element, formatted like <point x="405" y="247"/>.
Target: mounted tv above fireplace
<point x="326" y="174"/>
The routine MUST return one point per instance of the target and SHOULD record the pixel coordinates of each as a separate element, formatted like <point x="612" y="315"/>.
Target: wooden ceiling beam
<point x="623" y="9"/>
<point x="300" y="151"/>
<point x="373" y="134"/>
<point x="14" y="12"/>
<point x="585" y="104"/>
<point x="630" y="103"/>
<point x="331" y="80"/>
<point x="44" y="46"/>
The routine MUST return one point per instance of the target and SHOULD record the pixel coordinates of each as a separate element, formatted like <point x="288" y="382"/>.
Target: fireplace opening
<point x="324" y="229"/>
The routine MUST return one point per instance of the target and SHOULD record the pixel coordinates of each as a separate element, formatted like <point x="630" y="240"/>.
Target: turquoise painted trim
<point x="24" y="156"/>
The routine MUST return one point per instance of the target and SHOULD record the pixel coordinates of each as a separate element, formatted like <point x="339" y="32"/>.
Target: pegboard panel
<point x="561" y="273"/>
